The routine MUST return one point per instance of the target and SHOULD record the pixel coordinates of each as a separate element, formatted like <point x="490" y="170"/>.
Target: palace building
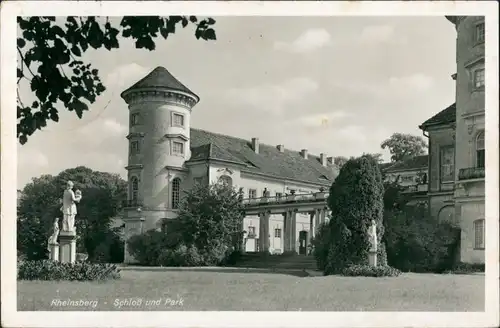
<point x="167" y="156"/>
<point x="457" y="144"/>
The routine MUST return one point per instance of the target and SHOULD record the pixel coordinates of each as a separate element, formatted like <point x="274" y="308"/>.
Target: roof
<point x="385" y="166"/>
<point x="160" y="77"/>
<point x="269" y="161"/>
<point x="414" y="163"/>
<point x="447" y="115"/>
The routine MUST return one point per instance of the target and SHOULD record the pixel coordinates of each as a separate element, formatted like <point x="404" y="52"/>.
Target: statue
<point x="372" y="236"/>
<point x="68" y="208"/>
<point x="55" y="233"/>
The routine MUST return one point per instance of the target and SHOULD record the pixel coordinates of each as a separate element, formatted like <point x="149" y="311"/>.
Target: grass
<point x="236" y="291"/>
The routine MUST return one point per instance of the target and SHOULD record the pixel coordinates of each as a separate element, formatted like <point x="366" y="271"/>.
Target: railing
<point x="470" y="173"/>
<point x="416" y="188"/>
<point x="309" y="197"/>
<point x="132" y="203"/>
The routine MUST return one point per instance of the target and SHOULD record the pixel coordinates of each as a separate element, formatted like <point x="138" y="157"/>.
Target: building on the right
<point x="457" y="143"/>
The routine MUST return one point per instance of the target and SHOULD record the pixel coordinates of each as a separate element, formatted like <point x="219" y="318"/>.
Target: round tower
<point x="159" y="133"/>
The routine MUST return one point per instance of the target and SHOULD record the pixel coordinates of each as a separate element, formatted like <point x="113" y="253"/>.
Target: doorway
<point x="303" y="242"/>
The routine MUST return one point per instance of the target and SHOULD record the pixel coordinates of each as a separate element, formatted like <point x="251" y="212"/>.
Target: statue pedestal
<point x="372" y="258"/>
<point x="54" y="252"/>
<point x="67" y="246"/>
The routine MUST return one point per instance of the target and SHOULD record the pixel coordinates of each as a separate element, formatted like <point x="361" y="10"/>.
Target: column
<point x="322" y="215"/>
<point x="293" y="230"/>
<point x="264" y="232"/>
<point x="312" y="230"/>
<point x="286" y="233"/>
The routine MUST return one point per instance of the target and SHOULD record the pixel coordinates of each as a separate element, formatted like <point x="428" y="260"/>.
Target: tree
<point x="50" y="55"/>
<point x="356" y="197"/>
<point x="340" y="161"/>
<point x="103" y="195"/>
<point x="403" y="146"/>
<point x="211" y="217"/>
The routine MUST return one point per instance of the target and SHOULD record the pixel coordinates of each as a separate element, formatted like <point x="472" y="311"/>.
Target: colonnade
<point x="316" y="218"/>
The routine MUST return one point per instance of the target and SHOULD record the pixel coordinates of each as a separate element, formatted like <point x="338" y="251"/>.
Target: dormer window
<point x="177" y="120"/>
<point x="135" y="147"/>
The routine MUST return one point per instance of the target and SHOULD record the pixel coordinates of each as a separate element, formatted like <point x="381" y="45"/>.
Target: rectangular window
<point x="277" y="233"/>
<point x="134" y="147"/>
<point x="178" y="120"/>
<point x="479" y="234"/>
<point x="251" y="231"/>
<point x="252" y="193"/>
<point x="447" y="164"/>
<point x="134" y="119"/>
<point x="479" y="78"/>
<point x="177" y="148"/>
<point x="480" y="32"/>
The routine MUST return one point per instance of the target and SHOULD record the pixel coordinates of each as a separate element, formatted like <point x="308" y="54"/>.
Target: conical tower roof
<point x="161" y="78"/>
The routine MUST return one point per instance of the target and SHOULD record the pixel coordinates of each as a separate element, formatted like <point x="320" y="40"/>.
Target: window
<point x="178" y="120"/>
<point x="225" y="180"/>
<point x="279" y="195"/>
<point x="134" y="119"/>
<point x="251" y="231"/>
<point x="480" y="152"/>
<point x="277" y="233"/>
<point x="407" y="178"/>
<point x="134" y="188"/>
<point x="176" y="192"/>
<point x="479" y="234"/>
<point x="479" y="78"/>
<point x="480" y="32"/>
<point x="134" y="147"/>
<point x="177" y="148"/>
<point x="447" y="161"/>
<point x="252" y="193"/>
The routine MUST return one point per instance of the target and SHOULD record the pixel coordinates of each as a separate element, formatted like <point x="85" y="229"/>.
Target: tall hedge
<point x="356" y="197"/>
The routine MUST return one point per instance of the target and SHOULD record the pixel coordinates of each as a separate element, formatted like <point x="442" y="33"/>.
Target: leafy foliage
<point x="80" y="271"/>
<point x="207" y="231"/>
<point x="370" y="271"/>
<point x="404" y="146"/>
<point x="467" y="268"/>
<point x="41" y="202"/>
<point x="50" y="54"/>
<point x="356" y="198"/>
<point x="417" y="243"/>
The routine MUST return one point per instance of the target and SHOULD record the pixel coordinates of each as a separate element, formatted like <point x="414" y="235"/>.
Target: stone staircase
<point x="259" y="260"/>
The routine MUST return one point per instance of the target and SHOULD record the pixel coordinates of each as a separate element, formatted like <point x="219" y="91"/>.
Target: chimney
<point x="281" y="148"/>
<point x="303" y="153"/>
<point x="255" y="145"/>
<point x="322" y="157"/>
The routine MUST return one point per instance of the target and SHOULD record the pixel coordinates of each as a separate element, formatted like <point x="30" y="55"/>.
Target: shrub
<point x="81" y="271"/>
<point x="417" y="243"/>
<point x="181" y="256"/>
<point x="355" y="199"/>
<point x="358" y="270"/>
<point x="147" y="247"/>
<point x="465" y="268"/>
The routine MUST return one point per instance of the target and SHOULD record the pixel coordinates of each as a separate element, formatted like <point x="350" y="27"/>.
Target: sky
<point x="334" y="85"/>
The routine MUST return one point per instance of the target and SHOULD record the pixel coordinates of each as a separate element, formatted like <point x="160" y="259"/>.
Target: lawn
<point x="219" y="291"/>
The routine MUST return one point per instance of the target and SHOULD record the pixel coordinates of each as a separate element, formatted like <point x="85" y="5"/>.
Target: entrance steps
<point x="263" y="260"/>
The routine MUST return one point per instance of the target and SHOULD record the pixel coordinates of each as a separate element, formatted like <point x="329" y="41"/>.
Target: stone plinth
<point x="54" y="252"/>
<point x="67" y="246"/>
<point x="372" y="258"/>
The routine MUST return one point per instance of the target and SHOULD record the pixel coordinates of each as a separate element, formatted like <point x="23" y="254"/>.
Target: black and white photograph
<point x="249" y="164"/>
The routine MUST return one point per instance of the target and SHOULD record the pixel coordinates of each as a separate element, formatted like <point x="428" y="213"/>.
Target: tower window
<point x="134" y="119"/>
<point x="479" y="78"/>
<point x="134" y="188"/>
<point x="447" y="163"/>
<point x="480" y="28"/>
<point x="177" y="148"/>
<point x="480" y="153"/>
<point x="176" y="193"/>
<point x="178" y="120"/>
<point x="134" y="147"/>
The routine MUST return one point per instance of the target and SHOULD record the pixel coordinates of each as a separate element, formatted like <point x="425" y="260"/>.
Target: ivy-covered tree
<point x="50" y="54"/>
<point x="356" y="198"/>
<point x="40" y="204"/>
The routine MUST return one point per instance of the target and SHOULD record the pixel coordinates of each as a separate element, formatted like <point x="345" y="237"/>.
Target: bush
<point x="358" y="270"/>
<point x="465" y="268"/>
<point x="183" y="255"/>
<point x="51" y="270"/>
<point x="147" y="247"/>
<point x="417" y="243"/>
